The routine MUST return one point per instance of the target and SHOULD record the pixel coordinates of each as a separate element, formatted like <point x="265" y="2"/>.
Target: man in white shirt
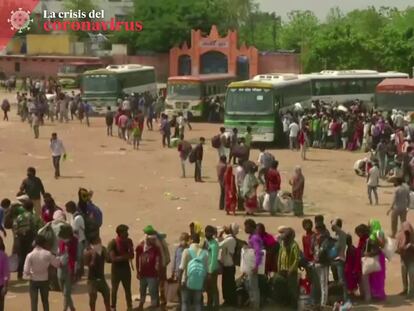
<point x="57" y="148"/>
<point x="293" y="135"/>
<point x="227" y="248"/>
<point x="36" y="267"/>
<point x="372" y="182"/>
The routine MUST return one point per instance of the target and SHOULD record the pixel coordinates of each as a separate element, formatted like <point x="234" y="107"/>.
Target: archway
<point x="184" y="65"/>
<point x="242" y="68"/>
<point x="213" y="62"/>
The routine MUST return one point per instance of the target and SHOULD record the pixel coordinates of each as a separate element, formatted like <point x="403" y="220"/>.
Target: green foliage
<point x="381" y="39"/>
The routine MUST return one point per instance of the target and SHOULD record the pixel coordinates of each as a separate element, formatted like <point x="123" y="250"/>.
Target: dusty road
<point x="143" y="187"/>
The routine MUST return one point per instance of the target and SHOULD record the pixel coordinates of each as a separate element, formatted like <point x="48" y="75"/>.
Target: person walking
<point x="33" y="187"/>
<point x="109" y="120"/>
<point x="165" y="130"/>
<point x="36" y="124"/>
<point x="373" y="182"/>
<point x="58" y="150"/>
<point x="36" y="268"/>
<point x="399" y="206"/>
<point x="184" y="149"/>
<point x="298" y="187"/>
<point x="95" y="257"/>
<point x="121" y="253"/>
<point x="5" y="106"/>
<point x="199" y="159"/>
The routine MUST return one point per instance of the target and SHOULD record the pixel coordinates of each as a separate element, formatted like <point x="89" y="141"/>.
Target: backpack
<point x="326" y="253"/>
<point x="237" y="251"/>
<point x="196" y="271"/>
<point x="49" y="235"/>
<point x="96" y="214"/>
<point x="192" y="156"/>
<point x="216" y="141"/>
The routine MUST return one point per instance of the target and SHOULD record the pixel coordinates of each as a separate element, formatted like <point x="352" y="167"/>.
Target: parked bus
<point x="344" y="86"/>
<point x="395" y="94"/>
<point x="69" y="75"/>
<point x="193" y="93"/>
<point x="102" y="87"/>
<point x="261" y="101"/>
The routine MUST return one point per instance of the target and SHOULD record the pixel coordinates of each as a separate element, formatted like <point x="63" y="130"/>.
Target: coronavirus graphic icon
<point x="20" y="20"/>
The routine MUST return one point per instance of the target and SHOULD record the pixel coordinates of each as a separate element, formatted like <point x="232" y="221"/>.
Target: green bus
<point x="69" y="75"/>
<point x="260" y="102"/>
<point x="102" y="87"/>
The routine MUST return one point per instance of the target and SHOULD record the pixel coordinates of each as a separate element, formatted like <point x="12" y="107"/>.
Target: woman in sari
<point x="250" y="185"/>
<point x="374" y="283"/>
<point x="230" y="190"/>
<point x="362" y="231"/>
<point x="298" y="186"/>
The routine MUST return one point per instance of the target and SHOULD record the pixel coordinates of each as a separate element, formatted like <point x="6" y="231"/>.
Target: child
<point x="136" y="133"/>
<point x="351" y="267"/>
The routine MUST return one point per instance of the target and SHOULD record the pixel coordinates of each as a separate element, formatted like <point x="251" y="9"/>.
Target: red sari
<point x="230" y="190"/>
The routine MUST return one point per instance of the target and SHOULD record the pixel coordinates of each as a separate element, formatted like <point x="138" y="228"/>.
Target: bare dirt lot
<point x="143" y="187"/>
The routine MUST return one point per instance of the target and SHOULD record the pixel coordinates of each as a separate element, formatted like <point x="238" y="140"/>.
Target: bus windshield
<point x="249" y="100"/>
<point x="100" y="83"/>
<point x="184" y="90"/>
<point x="395" y="100"/>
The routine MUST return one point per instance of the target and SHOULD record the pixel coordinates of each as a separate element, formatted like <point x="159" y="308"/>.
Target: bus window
<point x="371" y="84"/>
<point x="356" y="86"/>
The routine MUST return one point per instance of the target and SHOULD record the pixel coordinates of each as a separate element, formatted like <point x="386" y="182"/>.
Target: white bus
<point x="102" y="87"/>
<point x="343" y="86"/>
<point x="192" y="93"/>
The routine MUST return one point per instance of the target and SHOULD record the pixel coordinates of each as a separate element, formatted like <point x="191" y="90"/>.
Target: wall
<point x="279" y="63"/>
<point x="36" y="66"/>
<point x="58" y="44"/>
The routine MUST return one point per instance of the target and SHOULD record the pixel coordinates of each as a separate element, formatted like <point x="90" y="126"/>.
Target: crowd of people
<point x="353" y="128"/>
<point x="52" y="246"/>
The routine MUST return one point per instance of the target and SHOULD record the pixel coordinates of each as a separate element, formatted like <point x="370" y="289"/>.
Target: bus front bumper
<point x="174" y="112"/>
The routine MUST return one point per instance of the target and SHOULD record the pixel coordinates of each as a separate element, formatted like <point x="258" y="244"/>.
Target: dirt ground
<point x="144" y="187"/>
